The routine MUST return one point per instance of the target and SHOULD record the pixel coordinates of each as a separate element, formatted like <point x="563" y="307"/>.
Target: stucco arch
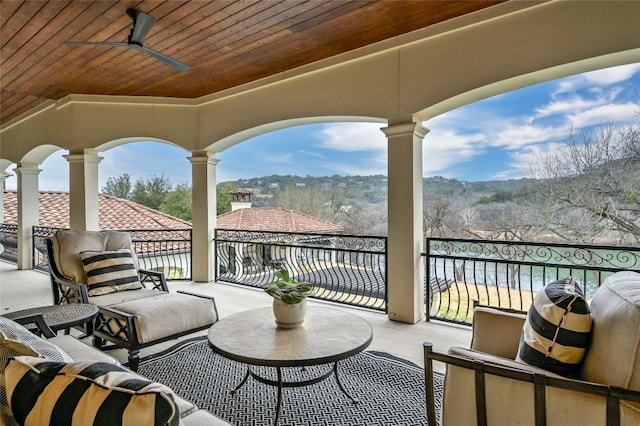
<point x="35" y="156"/>
<point x="244" y="135"/>
<point x="133" y="139"/>
<point x="526" y="80"/>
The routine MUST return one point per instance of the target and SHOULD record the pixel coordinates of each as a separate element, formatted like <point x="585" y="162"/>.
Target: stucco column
<point x="405" y="296"/>
<point x="83" y="190"/>
<point x="203" y="177"/>
<point x="3" y="178"/>
<point x="28" y="196"/>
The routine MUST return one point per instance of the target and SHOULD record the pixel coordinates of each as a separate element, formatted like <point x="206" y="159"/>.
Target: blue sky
<point x="496" y="138"/>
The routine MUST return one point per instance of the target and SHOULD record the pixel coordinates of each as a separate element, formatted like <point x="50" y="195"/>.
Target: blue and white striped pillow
<point x="557" y="331"/>
<point x="42" y="392"/>
<point x="110" y="271"/>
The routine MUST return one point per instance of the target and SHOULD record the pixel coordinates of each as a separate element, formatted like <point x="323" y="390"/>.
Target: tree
<point x="223" y="198"/>
<point x="118" y="186"/>
<point x="151" y="192"/>
<point x="178" y="203"/>
<point x="311" y="200"/>
<point x="440" y="217"/>
<point x="595" y="177"/>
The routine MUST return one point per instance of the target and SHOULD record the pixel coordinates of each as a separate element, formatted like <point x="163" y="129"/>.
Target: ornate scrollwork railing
<point x="9" y="242"/>
<point x="165" y="250"/>
<point x="348" y="269"/>
<point x="508" y="273"/>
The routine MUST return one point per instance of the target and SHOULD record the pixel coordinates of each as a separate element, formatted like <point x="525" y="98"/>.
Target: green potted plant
<point x="289" y="299"/>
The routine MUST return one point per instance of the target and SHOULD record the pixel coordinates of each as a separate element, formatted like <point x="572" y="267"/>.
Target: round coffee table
<point x="326" y="336"/>
<point x="59" y="317"/>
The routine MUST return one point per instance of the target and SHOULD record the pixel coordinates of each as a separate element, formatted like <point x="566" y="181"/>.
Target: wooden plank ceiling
<point x="225" y="43"/>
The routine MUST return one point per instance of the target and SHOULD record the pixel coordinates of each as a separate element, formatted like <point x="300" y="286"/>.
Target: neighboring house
<point x="114" y="213"/>
<point x="275" y="219"/>
<point x="254" y="256"/>
<point x="172" y="257"/>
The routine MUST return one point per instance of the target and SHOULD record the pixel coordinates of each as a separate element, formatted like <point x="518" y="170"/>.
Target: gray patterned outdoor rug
<point x="390" y="390"/>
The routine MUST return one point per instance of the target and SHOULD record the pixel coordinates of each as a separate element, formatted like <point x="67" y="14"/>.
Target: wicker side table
<point x="61" y="317"/>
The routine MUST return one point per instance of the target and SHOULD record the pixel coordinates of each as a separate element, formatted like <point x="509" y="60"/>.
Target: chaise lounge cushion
<point x="111" y="299"/>
<point x="557" y="331"/>
<point x="110" y="271"/>
<point x="48" y="392"/>
<point x="167" y="314"/>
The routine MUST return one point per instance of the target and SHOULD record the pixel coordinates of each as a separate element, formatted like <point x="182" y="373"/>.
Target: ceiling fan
<point x="142" y="23"/>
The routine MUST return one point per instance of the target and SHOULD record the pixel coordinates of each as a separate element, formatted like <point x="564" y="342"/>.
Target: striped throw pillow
<point x="16" y="340"/>
<point x="109" y="271"/>
<point x="557" y="331"/>
<point x="45" y="392"/>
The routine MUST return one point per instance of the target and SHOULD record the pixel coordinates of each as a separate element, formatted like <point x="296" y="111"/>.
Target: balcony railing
<point x="166" y="250"/>
<point x="351" y="269"/>
<point x="346" y="269"/>
<point x="9" y="242"/>
<point x="509" y="273"/>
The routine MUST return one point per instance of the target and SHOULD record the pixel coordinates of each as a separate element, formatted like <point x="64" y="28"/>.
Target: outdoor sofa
<point x="492" y="384"/>
<point x="136" y="309"/>
<point x="53" y="366"/>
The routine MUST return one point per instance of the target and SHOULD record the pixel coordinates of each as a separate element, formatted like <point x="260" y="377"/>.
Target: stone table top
<point x="326" y="335"/>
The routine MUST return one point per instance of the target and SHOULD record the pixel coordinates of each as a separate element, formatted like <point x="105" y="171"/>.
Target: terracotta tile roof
<point x="274" y="219"/>
<point x="115" y="213"/>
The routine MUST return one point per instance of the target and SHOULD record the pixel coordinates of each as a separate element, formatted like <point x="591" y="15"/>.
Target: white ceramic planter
<point x="289" y="316"/>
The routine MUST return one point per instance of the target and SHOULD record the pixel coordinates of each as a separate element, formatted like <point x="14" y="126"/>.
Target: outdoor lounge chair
<point x="488" y="384"/>
<point x="136" y="309"/>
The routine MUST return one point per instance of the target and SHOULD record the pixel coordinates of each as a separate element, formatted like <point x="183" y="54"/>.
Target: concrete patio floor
<point x="21" y="289"/>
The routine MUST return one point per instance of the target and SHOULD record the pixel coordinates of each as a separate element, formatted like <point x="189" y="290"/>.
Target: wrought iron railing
<point x="347" y="269"/>
<point x="9" y="242"/>
<point x="509" y="273"/>
<point x="166" y="250"/>
<point x="352" y="269"/>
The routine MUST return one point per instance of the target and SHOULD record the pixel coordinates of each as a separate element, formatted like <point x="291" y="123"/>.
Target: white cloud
<point x="516" y="136"/>
<point x="312" y="154"/>
<point x="525" y="162"/>
<point x="603" y="77"/>
<point x="353" y="137"/>
<point x="443" y="149"/>
<point x="615" y="114"/>
<point x="374" y="166"/>
<point x="575" y="103"/>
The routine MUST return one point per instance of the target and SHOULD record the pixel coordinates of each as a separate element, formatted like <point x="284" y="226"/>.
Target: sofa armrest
<point x="155" y="278"/>
<point x="66" y="291"/>
<point x="213" y="300"/>
<point x="497" y="332"/>
<point x="483" y="389"/>
<point x="115" y="324"/>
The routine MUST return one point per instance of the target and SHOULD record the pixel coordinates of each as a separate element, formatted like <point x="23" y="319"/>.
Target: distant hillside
<point x="368" y="190"/>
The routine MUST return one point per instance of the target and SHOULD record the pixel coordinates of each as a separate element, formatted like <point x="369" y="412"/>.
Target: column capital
<point x="87" y="156"/>
<point x="202" y="157"/>
<point x="27" y="169"/>
<point x="416" y="129"/>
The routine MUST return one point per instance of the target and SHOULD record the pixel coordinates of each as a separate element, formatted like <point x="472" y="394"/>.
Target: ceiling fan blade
<point x="94" y="43"/>
<point x="142" y="23"/>
<point x="174" y="63"/>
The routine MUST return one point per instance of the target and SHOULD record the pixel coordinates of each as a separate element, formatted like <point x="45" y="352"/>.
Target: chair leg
<point x="98" y="342"/>
<point x="134" y="360"/>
